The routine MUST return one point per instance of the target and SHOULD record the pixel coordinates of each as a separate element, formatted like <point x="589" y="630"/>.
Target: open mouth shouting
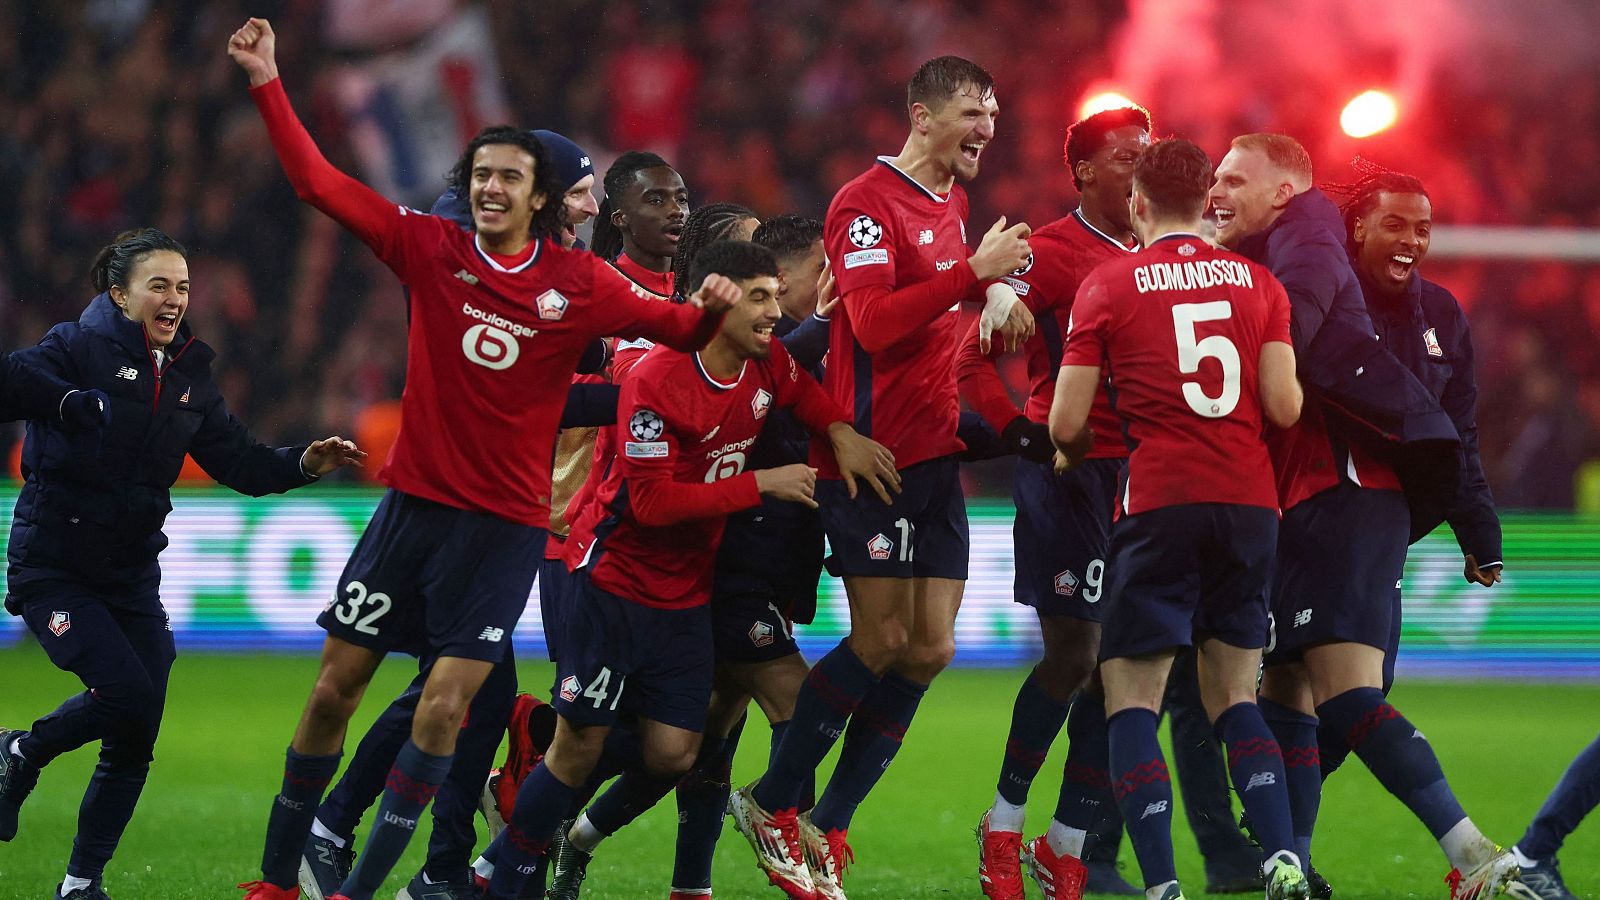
<point x="971" y="150"/>
<point x="1401" y="264"/>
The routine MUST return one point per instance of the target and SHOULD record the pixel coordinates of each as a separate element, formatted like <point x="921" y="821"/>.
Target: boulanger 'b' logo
<point x="490" y="347"/>
<point x="645" y="425"/>
<point x="865" y="233"/>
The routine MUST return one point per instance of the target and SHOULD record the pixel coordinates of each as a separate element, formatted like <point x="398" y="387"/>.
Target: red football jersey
<point x="884" y="229"/>
<point x="1064" y="253"/>
<point x="656" y="284"/>
<point x="685" y="440"/>
<point x="1308" y="460"/>
<point x="1181" y="326"/>
<point x="492" y="344"/>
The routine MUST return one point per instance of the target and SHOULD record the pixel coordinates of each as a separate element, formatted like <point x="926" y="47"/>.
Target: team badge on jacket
<point x="59" y="623"/>
<point x="1431" y="338"/>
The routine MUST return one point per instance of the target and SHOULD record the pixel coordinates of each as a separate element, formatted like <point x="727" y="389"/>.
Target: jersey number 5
<point x="1217" y="347"/>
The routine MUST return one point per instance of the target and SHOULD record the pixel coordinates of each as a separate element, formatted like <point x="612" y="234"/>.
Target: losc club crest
<point x="761" y="634"/>
<point x="1066" y="584"/>
<point x="760" y="403"/>
<point x="59" y="623"/>
<point x="570" y="688"/>
<point x="879" y="547"/>
<point x="864" y="232"/>
<point x="646" y="426"/>
<point x="552" y="305"/>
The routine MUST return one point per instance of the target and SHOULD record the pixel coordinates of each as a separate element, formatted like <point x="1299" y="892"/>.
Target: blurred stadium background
<point x="115" y="113"/>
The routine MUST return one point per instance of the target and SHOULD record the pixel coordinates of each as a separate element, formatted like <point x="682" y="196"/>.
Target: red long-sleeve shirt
<point x="651" y="531"/>
<point x="492" y="342"/>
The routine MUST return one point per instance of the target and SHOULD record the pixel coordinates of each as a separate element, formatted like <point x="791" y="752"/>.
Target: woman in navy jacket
<point x="82" y="557"/>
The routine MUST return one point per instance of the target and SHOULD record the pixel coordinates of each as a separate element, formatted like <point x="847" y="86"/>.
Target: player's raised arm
<point x="681" y="326"/>
<point x="883" y="315"/>
<point x="349" y="202"/>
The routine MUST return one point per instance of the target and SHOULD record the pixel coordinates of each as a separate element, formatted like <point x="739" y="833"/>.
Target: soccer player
<point x="1388" y="220"/>
<point x="709" y="224"/>
<point x="896" y="241"/>
<point x="641" y="219"/>
<point x="1346" y="522"/>
<point x="329" y="850"/>
<point x="1197" y="341"/>
<point x="643" y="547"/>
<point x="499" y="318"/>
<point x="86" y="534"/>
<point x="1063" y="521"/>
<point x="766" y="578"/>
<point x="1575" y="796"/>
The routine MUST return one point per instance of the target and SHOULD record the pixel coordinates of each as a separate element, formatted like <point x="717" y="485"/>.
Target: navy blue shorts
<point x="1185" y="573"/>
<point x="555" y="598"/>
<point x="751" y="627"/>
<point x="923" y="535"/>
<point x="1062" y="533"/>
<point x="430" y="579"/>
<point x="1341" y="555"/>
<point x="618" y="656"/>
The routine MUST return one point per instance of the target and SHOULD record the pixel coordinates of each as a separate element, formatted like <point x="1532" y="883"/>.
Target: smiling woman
<point x="88" y="527"/>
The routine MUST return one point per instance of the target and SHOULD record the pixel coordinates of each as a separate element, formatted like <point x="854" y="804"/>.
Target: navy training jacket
<point x="1427" y="331"/>
<point x="1368" y="394"/>
<point x="93" y="505"/>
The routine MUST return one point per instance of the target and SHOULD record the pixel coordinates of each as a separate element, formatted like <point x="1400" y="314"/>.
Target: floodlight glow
<point x="1102" y="101"/>
<point x="1368" y="114"/>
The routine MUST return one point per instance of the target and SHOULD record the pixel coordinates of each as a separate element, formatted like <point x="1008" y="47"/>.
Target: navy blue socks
<point x="1144" y="792"/>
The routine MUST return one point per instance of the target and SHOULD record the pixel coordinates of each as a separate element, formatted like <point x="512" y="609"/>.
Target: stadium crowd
<point x="774" y="112"/>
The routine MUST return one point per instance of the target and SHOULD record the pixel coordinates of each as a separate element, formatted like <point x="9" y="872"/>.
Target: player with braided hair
<point x="707" y="225"/>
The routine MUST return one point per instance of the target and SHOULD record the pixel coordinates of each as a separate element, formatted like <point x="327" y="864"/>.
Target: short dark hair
<point x="1361" y="196"/>
<point x="1175" y="176"/>
<point x="606" y="242"/>
<point x="114" y="264"/>
<point x="547" y="219"/>
<point x="942" y="77"/>
<point x="788" y="235"/>
<point x="1086" y="136"/>
<point x="705" y="226"/>
<point x="738" y="260"/>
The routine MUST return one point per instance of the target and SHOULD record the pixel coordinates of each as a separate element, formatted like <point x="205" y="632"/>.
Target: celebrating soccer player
<point x="896" y="240"/>
<point x="499" y="318"/>
<point x="1063" y="520"/>
<point x="1197" y="341"/>
<point x="87" y="529"/>
<point x="329" y="851"/>
<point x="644" y="546"/>
<point x="1346" y="521"/>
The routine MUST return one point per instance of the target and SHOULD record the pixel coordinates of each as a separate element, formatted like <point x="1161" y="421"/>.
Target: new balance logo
<point x="1160" y="806"/>
<point x="492" y="634"/>
<point x="128" y="372"/>
<point x="925" y="236"/>
<point x="468" y="277"/>
<point x="1303" y="617"/>
<point x="325" y="854"/>
<point x="1259" y="779"/>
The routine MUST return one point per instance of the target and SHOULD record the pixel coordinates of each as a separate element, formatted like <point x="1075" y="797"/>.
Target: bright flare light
<point x="1102" y="101"/>
<point x="1368" y="114"/>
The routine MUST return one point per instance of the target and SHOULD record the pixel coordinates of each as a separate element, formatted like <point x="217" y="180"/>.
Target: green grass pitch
<point x="198" y="829"/>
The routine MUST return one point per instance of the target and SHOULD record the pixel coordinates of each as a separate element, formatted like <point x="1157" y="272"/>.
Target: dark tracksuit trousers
<point x="118" y="641"/>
